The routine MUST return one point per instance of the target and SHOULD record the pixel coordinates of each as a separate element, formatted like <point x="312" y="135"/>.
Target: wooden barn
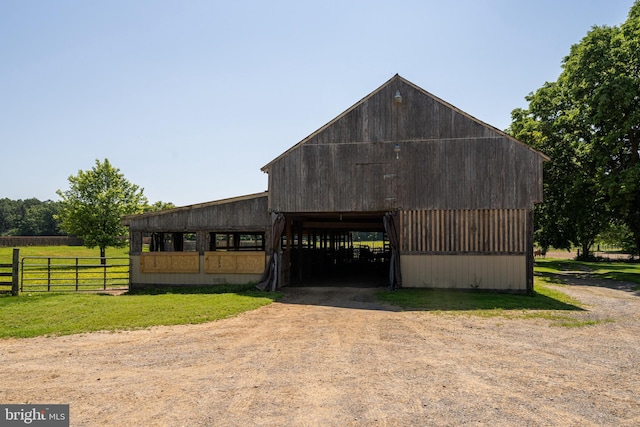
<point x="451" y="197"/>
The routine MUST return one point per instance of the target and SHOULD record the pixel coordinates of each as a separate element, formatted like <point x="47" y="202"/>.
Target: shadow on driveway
<point x="363" y="298"/>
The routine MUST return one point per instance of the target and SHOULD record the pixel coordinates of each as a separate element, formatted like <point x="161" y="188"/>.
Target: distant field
<point x="6" y="253"/>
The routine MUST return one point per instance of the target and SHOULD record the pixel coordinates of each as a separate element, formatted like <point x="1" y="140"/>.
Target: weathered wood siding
<point x="485" y="231"/>
<point x="447" y="160"/>
<point x="247" y="213"/>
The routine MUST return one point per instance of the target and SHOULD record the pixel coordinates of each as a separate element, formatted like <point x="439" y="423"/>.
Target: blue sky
<point x="189" y="99"/>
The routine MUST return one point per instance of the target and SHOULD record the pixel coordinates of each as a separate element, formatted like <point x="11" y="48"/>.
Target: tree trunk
<point x="635" y="233"/>
<point x="585" y="251"/>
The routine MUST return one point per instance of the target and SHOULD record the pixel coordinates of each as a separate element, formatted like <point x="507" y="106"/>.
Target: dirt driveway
<point x="334" y="357"/>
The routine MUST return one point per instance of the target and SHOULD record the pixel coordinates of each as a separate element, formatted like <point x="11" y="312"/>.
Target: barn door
<point x="392" y="228"/>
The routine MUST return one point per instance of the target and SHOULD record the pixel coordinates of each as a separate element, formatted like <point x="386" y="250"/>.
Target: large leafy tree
<point x="603" y="77"/>
<point x="588" y="122"/>
<point x="95" y="202"/>
<point x="573" y="211"/>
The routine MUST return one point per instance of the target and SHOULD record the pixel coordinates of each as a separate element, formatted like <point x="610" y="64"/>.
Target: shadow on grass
<point x="617" y="275"/>
<point x="620" y="276"/>
<point x="462" y="300"/>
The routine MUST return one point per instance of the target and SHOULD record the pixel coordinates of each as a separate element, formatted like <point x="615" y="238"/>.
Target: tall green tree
<point x="94" y="203"/>
<point x="588" y="122"/>
<point x="603" y="79"/>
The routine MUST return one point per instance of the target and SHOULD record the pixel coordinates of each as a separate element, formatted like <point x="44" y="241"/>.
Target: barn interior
<point x="337" y="249"/>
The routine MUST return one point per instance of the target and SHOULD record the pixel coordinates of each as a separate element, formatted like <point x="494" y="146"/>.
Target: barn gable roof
<point x="395" y="82"/>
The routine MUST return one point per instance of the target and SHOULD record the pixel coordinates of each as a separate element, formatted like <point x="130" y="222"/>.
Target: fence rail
<point x="48" y="274"/>
<point x="11" y="271"/>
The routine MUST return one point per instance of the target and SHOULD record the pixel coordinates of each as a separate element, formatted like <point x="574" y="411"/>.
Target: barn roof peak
<point x="398" y="80"/>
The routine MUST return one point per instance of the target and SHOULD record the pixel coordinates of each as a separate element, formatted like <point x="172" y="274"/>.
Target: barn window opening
<point x="235" y="241"/>
<point x="172" y="242"/>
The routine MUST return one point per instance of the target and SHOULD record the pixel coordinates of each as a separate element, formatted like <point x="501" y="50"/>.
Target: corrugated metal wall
<point x="497" y="272"/>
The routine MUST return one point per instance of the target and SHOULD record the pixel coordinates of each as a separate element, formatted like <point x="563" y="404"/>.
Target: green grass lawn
<point x="30" y="315"/>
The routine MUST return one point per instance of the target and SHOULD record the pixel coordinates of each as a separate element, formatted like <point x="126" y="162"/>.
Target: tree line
<point x="33" y="217"/>
<point x="91" y="208"/>
<point x="588" y="123"/>
<point x="29" y="217"/>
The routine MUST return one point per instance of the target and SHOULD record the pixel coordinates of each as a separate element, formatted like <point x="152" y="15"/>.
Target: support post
<point x="529" y="251"/>
<point x="15" y="289"/>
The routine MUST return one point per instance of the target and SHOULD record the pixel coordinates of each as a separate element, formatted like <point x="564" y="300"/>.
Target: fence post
<point x="15" y="290"/>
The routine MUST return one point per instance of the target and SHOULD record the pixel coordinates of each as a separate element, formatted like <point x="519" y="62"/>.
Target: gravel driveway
<point x="336" y="357"/>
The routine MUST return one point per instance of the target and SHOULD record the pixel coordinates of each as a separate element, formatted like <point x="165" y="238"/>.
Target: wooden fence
<point x="13" y="274"/>
<point x="17" y="241"/>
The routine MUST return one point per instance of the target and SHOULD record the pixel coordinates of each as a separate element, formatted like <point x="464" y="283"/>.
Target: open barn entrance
<point x="337" y="249"/>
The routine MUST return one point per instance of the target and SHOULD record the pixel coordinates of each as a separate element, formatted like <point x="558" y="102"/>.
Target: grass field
<point x="60" y="251"/>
